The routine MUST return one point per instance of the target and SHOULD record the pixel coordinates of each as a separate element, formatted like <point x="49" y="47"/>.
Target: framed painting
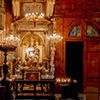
<point x="32" y="75"/>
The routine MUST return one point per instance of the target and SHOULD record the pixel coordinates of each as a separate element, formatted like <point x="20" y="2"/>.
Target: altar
<point x="33" y="85"/>
<point x="30" y="73"/>
<point x="46" y="89"/>
<point x="33" y="49"/>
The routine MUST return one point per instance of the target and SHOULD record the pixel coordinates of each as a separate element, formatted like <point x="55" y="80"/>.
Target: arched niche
<point x="39" y="38"/>
<point x="78" y="29"/>
<point x="36" y="29"/>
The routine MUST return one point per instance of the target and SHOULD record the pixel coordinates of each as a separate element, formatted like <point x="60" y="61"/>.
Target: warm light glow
<point x="36" y="13"/>
<point x="34" y="16"/>
<point x="54" y="38"/>
<point x="60" y="80"/>
<point x="12" y="39"/>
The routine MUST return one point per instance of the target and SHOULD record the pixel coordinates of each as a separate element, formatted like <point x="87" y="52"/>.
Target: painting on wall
<point x="32" y="75"/>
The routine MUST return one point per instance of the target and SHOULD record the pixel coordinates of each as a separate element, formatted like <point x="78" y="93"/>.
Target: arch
<point x="76" y="22"/>
<point x="29" y="36"/>
<point x="75" y="32"/>
<point x="91" y="31"/>
<point x="29" y="33"/>
<point x="26" y="41"/>
<point x="94" y="24"/>
<point x="73" y="24"/>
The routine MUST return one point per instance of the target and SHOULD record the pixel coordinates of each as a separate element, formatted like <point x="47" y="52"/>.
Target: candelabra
<point x="35" y="14"/>
<point x="12" y="39"/>
<point x="54" y="38"/>
<point x="7" y="82"/>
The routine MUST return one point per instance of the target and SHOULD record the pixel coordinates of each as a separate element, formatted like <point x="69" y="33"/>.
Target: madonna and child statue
<point x="32" y="54"/>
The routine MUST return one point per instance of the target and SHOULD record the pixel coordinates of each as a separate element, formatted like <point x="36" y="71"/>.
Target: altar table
<point x="49" y="85"/>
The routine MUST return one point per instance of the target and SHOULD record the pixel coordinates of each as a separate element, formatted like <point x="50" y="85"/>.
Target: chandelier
<point x="12" y="38"/>
<point x="34" y="14"/>
<point x="54" y="38"/>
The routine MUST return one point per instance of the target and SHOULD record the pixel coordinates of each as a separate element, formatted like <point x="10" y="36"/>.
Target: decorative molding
<point x="22" y="24"/>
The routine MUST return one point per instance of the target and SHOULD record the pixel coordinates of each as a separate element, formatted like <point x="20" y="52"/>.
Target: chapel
<point x="50" y="49"/>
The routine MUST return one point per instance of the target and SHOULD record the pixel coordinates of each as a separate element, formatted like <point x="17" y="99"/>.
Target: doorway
<point x="74" y="62"/>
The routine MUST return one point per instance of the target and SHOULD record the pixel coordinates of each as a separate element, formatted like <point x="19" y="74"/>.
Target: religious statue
<point x="53" y="49"/>
<point x="30" y="50"/>
<point x="32" y="54"/>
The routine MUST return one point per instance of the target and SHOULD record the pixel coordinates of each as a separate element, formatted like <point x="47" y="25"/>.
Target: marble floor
<point x="57" y="97"/>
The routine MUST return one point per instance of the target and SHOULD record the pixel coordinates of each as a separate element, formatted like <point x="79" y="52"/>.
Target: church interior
<point x="50" y="49"/>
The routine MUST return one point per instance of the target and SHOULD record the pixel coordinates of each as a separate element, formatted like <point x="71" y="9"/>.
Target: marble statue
<point x="53" y="49"/>
<point x="32" y="54"/>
